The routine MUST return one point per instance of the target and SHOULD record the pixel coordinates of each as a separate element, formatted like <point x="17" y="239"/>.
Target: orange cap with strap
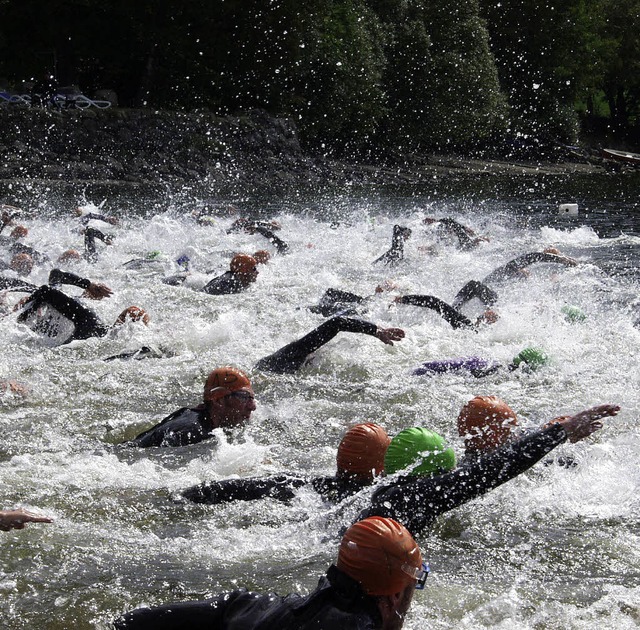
<point x="380" y="554"/>
<point x="224" y="380"/>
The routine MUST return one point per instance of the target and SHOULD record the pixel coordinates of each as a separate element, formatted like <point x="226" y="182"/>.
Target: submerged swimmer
<point x="294" y="355"/>
<point x="228" y="402"/>
<point x="396" y="253"/>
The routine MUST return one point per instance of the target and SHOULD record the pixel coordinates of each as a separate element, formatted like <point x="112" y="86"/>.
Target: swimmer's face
<point x="237" y="407"/>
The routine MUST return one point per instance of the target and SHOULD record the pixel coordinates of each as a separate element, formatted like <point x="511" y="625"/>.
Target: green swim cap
<point x="421" y="451"/>
<point x="153" y="255"/>
<point x="573" y="314"/>
<point x="533" y="357"/>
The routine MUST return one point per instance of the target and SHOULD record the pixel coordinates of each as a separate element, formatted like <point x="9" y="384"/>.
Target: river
<point x="556" y="548"/>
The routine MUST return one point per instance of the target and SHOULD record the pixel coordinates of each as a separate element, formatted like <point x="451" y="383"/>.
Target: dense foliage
<point x="355" y="75"/>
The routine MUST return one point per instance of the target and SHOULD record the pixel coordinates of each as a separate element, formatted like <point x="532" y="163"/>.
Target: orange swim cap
<point x="485" y="423"/>
<point x="380" y="554"/>
<point x="19" y="232"/>
<point x="69" y="255"/>
<point x="134" y="314"/>
<point x="224" y="380"/>
<point x="243" y="264"/>
<point x="262" y="256"/>
<point x="22" y="264"/>
<point x="361" y="451"/>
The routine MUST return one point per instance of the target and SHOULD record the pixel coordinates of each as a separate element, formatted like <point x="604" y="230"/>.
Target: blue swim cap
<point x="419" y="450"/>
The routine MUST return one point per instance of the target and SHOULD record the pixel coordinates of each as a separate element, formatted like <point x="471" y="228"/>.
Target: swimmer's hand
<point x="97" y="291"/>
<point x="584" y="423"/>
<point x="17" y="519"/>
<point x="389" y="335"/>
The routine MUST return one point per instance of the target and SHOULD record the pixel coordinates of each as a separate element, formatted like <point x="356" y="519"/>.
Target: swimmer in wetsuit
<point x="45" y="306"/>
<point x="416" y="501"/>
<point x="243" y="272"/>
<point x="467" y="238"/>
<point x="531" y="358"/>
<point x="359" y="460"/>
<point x="394" y="255"/>
<point x="293" y="356"/>
<point x="370" y="587"/>
<point x="264" y="228"/>
<point x="228" y="401"/>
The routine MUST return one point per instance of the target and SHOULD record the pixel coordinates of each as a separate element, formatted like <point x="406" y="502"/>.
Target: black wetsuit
<point x="225" y="284"/>
<point x="335" y="301"/>
<point x="90" y="236"/>
<point x="291" y="357"/>
<point x="86" y="323"/>
<point x="466" y="237"/>
<point x="184" y="426"/>
<point x="280" y="487"/>
<point x="337" y="603"/>
<point x="513" y="268"/>
<point x="448" y="313"/>
<point x="396" y="253"/>
<point x="16" y="284"/>
<point x="417" y="501"/>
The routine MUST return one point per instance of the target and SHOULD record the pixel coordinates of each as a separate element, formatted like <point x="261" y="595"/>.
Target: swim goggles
<point x="420" y="575"/>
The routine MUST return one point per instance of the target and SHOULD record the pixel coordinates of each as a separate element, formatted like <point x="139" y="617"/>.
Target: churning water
<point x="556" y="548"/>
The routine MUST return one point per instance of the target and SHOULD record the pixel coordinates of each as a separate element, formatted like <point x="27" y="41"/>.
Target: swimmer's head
<point x="381" y="555"/>
<point x="418" y="451"/>
<point x="552" y="250"/>
<point x="361" y="452"/>
<point x="262" y="256"/>
<point x="402" y="232"/>
<point x="573" y="314"/>
<point x="22" y="264"/>
<point x="224" y="381"/>
<point x="69" y="256"/>
<point x="485" y="423"/>
<point x="533" y="358"/>
<point x="133" y="314"/>
<point x="19" y="232"/>
<point x="244" y="267"/>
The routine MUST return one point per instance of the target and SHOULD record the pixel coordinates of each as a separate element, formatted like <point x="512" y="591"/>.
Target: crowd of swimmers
<point x="412" y="477"/>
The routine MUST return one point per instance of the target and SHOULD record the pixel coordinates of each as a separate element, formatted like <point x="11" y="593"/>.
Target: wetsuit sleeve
<point x="278" y="243"/>
<point x="461" y="233"/>
<point x="223" y="285"/>
<point x="417" y="501"/>
<point x="291" y="357"/>
<point x="281" y="488"/>
<point x="448" y="313"/>
<point x="57" y="276"/>
<point x="475" y="289"/>
<point x="84" y="219"/>
<point x="15" y="284"/>
<point x="85" y="321"/>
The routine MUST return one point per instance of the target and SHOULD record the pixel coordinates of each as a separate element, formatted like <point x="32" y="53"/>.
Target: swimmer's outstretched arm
<point x="95" y="291"/>
<point x="280" y="487"/>
<point x="418" y="501"/>
<point x="277" y="242"/>
<point x="17" y="285"/>
<point x="448" y="313"/>
<point x="17" y="519"/>
<point x="292" y="356"/>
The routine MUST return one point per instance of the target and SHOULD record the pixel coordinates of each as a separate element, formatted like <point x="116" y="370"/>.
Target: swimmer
<point x="416" y="501"/>
<point x="530" y="359"/>
<point x="394" y="255"/>
<point x="228" y="402"/>
<point x="359" y="460"/>
<point x="379" y="566"/>
<point x="18" y="518"/>
<point x="294" y="355"/>
<point x="243" y="272"/>
<point x="53" y="314"/>
<point x="467" y="238"/>
<point x="264" y="228"/>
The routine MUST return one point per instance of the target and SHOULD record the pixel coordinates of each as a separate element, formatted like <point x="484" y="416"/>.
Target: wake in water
<point x="119" y="522"/>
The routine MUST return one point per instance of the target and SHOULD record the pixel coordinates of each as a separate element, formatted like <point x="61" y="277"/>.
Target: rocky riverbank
<point x="158" y="151"/>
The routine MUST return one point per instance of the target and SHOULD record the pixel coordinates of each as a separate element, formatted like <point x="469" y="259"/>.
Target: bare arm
<point x="17" y="519"/>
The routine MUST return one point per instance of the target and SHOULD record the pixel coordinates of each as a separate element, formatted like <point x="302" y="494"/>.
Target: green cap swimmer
<point x="573" y="314"/>
<point x="533" y="358"/>
<point x="419" y="450"/>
